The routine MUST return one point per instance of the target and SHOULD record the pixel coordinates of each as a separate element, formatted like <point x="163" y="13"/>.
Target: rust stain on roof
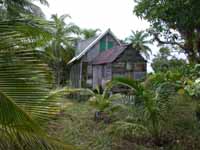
<point x="110" y="55"/>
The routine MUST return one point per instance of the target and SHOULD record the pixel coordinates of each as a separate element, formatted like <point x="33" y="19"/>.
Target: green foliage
<point x="150" y="104"/>
<point x="173" y="23"/>
<point x="140" y="42"/>
<point x="104" y="101"/>
<point x="89" y="33"/>
<point x="154" y="103"/>
<point x="165" y="117"/>
<point x="77" y="127"/>
<point x="133" y="84"/>
<point x="193" y="88"/>
<point x="155" y="80"/>
<point x="25" y="88"/>
<point x="169" y="114"/>
<point x="127" y="129"/>
<point x="192" y="82"/>
<point x="18" y="8"/>
<point x="60" y="48"/>
<point x="162" y="62"/>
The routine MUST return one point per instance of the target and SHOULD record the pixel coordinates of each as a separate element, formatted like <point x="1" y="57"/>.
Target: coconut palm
<point x="26" y="100"/>
<point x="140" y="42"/>
<point x="89" y="33"/>
<point x="17" y="8"/>
<point x="60" y="49"/>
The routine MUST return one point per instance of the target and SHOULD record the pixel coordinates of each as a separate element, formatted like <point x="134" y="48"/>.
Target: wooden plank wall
<point x="132" y="57"/>
<point x="75" y="75"/>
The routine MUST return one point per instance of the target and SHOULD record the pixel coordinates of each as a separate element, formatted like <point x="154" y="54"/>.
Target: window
<point x="102" y="46"/>
<point x="110" y="44"/>
<point x="129" y="66"/>
<point x="140" y="67"/>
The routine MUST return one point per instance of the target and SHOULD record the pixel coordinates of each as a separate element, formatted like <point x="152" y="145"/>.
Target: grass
<point x="76" y="126"/>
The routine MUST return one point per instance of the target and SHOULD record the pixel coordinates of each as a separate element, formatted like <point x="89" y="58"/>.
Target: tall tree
<point x="174" y="22"/>
<point x="140" y="42"/>
<point x="18" y="8"/>
<point x="89" y="33"/>
<point x="164" y="62"/>
<point x="60" y="48"/>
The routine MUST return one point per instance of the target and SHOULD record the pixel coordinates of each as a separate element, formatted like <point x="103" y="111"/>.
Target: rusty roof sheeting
<point x="110" y="55"/>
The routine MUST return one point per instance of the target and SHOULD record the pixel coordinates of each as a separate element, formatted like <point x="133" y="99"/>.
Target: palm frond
<point x="18" y="8"/>
<point x="18" y="128"/>
<point x="23" y="33"/>
<point x="133" y="84"/>
<point x="140" y="42"/>
<point x="127" y="129"/>
<point x="89" y="33"/>
<point x="25" y="83"/>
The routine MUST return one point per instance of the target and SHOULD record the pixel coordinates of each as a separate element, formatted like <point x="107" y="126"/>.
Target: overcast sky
<point x="103" y="14"/>
<point x="115" y="14"/>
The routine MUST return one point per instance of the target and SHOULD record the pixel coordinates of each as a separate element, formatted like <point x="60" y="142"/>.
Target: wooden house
<point x="101" y="58"/>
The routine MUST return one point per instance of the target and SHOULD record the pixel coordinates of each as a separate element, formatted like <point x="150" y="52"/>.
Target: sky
<point x="102" y="14"/>
<point x="115" y="14"/>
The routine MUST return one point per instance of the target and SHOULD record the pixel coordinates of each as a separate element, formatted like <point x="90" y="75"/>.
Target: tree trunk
<point x="58" y="72"/>
<point x="192" y="46"/>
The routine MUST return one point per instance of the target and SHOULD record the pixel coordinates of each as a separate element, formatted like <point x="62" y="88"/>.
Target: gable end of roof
<point x="82" y="53"/>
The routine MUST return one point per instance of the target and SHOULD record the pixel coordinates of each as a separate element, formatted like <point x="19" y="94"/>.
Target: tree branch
<point x="168" y="42"/>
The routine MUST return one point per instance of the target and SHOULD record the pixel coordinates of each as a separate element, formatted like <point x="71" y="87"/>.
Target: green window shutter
<point x="102" y="46"/>
<point x="110" y="45"/>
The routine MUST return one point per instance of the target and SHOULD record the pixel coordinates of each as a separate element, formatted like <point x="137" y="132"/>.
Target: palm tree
<point x="60" y="48"/>
<point x="89" y="33"/>
<point x="17" y="8"/>
<point x="140" y="42"/>
<point x="26" y="100"/>
<point x="149" y="101"/>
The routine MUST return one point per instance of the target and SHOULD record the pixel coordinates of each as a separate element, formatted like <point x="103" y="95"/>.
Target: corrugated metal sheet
<point x="109" y="55"/>
<point x="82" y="44"/>
<point x="83" y="52"/>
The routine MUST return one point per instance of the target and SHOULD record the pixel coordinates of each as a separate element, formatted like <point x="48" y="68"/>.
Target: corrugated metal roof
<point x="82" y="44"/>
<point x="83" y="52"/>
<point x="109" y="55"/>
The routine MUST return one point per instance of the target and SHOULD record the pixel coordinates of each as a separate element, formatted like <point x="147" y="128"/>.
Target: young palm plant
<point x="149" y="102"/>
<point x="103" y="102"/>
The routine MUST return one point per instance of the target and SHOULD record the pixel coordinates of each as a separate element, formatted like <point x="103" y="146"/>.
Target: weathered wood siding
<point x="97" y="75"/>
<point x="131" y="55"/>
<point x="101" y="74"/>
<point x="129" y="64"/>
<point x="94" y="76"/>
<point x="108" y="72"/>
<point x="94" y="51"/>
<point x="75" y="75"/>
